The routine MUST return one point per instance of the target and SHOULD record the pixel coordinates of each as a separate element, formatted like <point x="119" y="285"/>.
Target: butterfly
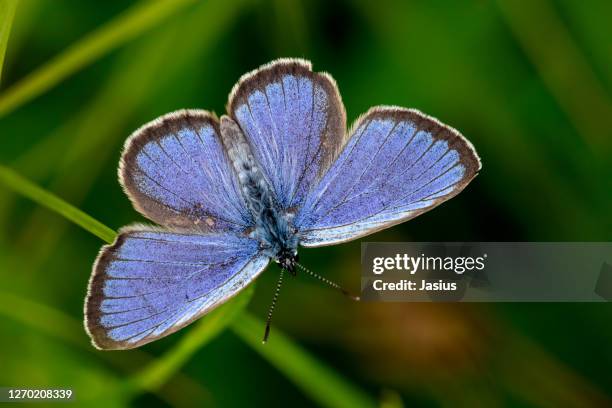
<point x="233" y="193"/>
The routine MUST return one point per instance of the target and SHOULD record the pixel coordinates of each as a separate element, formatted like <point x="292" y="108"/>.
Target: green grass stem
<point x="128" y="25"/>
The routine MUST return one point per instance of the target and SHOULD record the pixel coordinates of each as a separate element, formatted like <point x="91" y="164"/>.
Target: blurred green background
<point x="529" y="83"/>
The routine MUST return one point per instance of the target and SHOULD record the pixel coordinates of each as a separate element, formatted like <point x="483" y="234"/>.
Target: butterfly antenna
<point x="273" y="305"/>
<point x="328" y="282"/>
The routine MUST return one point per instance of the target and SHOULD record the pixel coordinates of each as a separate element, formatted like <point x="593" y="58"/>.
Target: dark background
<point x="529" y="83"/>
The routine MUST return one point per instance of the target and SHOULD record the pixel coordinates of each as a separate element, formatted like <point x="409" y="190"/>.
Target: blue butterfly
<point x="278" y="171"/>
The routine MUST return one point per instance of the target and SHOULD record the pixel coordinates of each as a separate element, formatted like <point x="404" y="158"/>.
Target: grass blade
<point x="7" y="13"/>
<point x="125" y="27"/>
<point x="25" y="187"/>
<point x="317" y="380"/>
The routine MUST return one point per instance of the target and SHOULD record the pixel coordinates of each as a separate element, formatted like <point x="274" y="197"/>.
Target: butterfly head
<point x="288" y="259"/>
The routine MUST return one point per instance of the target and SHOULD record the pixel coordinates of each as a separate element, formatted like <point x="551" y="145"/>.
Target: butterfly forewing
<point x="294" y="121"/>
<point x="150" y="282"/>
<point x="397" y="164"/>
<point x="177" y="174"/>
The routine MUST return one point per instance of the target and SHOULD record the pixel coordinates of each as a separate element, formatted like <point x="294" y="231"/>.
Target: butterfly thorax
<point x="272" y="227"/>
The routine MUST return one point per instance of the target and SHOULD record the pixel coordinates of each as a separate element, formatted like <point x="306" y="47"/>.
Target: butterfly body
<point x="279" y="170"/>
<point x="273" y="229"/>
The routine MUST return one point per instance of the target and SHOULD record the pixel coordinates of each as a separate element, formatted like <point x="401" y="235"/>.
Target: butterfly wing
<point x="150" y="282"/>
<point x="176" y="172"/>
<point x="294" y="121"/>
<point x="397" y="164"/>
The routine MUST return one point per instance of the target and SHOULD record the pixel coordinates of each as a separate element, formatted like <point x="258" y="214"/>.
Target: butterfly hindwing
<point x="294" y="121"/>
<point x="176" y="172"/>
<point x="397" y="164"/>
<point x="150" y="282"/>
